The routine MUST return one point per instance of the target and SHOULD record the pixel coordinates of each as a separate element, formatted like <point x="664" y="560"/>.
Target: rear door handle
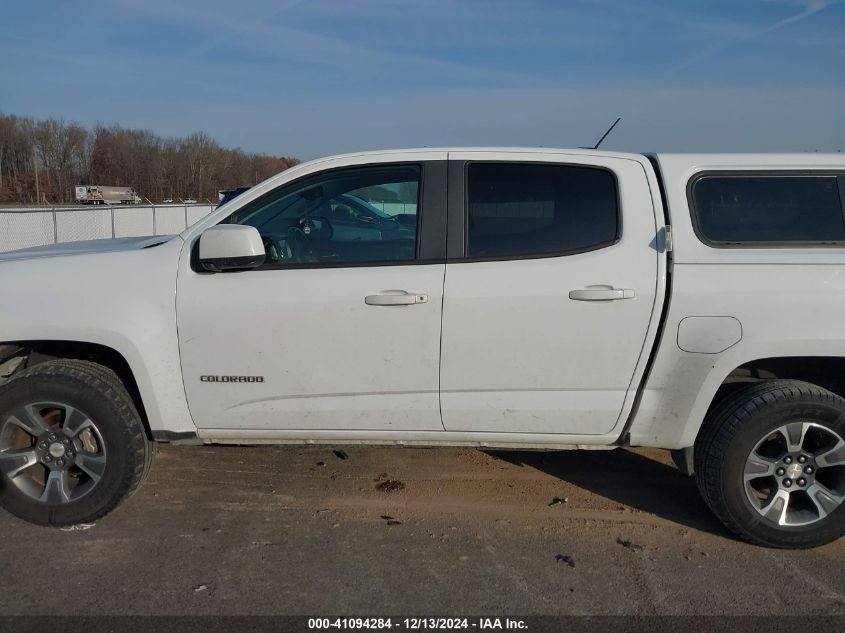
<point x="601" y="293"/>
<point x="395" y="298"/>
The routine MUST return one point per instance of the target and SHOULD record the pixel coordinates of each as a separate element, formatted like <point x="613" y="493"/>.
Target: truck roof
<point x="456" y="149"/>
<point x="758" y="160"/>
<point x="676" y="160"/>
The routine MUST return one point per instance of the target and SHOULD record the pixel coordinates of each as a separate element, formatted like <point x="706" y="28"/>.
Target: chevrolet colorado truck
<point x="522" y="298"/>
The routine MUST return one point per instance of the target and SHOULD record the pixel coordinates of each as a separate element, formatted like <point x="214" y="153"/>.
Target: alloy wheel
<point x="795" y="475"/>
<point x="51" y="452"/>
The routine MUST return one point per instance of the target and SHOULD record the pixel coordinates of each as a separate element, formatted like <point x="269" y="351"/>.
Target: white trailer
<point x="101" y="194"/>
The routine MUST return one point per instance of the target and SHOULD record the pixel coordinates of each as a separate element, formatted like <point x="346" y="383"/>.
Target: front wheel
<point x="72" y="445"/>
<point x="770" y="463"/>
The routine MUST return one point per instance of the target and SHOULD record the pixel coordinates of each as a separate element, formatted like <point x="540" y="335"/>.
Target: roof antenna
<point x="604" y="136"/>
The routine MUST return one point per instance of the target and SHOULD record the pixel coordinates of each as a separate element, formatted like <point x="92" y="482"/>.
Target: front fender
<point x="123" y="300"/>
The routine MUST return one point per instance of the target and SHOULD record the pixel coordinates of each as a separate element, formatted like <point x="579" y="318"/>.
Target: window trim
<point x="431" y="211"/>
<point x="836" y="174"/>
<point x="462" y="209"/>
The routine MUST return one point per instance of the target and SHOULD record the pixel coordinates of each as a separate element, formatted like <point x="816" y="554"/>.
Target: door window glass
<point x="531" y="210"/>
<point x="366" y="214"/>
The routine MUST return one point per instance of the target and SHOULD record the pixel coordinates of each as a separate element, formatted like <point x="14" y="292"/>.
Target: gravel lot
<point x="377" y="530"/>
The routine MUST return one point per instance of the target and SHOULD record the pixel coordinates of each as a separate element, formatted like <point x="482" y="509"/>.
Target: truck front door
<point x="340" y="329"/>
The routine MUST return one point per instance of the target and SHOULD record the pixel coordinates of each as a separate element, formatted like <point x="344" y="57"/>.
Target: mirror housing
<point x="231" y="247"/>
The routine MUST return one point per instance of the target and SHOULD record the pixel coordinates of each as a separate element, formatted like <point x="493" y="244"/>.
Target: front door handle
<point x="601" y="293"/>
<point x="395" y="298"/>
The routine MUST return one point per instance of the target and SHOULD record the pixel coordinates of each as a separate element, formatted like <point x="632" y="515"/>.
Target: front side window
<point x="738" y="209"/>
<point x="535" y="210"/>
<point x="366" y="214"/>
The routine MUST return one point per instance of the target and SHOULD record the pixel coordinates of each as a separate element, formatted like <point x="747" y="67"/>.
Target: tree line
<point x="41" y="161"/>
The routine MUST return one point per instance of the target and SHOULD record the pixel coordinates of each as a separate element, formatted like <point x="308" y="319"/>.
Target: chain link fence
<point x="25" y="227"/>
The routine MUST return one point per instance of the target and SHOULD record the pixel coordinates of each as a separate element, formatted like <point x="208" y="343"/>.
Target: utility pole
<point x="37" y="188"/>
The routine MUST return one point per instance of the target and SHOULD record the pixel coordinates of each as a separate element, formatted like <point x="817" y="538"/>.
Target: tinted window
<point x="530" y="210"/>
<point x="737" y="209"/>
<point x="366" y="214"/>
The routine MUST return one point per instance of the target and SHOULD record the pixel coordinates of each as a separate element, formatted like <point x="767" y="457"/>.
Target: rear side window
<point x="730" y="210"/>
<point x="535" y="210"/>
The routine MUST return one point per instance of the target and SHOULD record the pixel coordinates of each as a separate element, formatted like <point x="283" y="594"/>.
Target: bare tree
<point x="53" y="156"/>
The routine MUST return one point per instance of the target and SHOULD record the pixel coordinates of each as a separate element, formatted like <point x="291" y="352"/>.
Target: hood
<point x="86" y="247"/>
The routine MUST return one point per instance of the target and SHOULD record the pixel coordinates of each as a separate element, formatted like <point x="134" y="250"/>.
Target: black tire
<point x="107" y="375"/>
<point x="732" y="430"/>
<point x="98" y="391"/>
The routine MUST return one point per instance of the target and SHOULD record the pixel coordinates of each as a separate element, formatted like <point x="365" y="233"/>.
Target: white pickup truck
<point x="524" y="298"/>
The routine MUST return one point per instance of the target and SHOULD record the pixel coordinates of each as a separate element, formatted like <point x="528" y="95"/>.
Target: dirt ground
<point x="399" y="531"/>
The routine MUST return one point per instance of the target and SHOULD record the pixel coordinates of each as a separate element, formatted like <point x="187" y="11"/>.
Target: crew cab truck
<point x="524" y="298"/>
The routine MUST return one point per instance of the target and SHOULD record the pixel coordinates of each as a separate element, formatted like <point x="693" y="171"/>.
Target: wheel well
<point x="825" y="371"/>
<point x="17" y="355"/>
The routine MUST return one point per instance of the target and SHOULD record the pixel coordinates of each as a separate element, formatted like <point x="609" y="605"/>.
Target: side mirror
<point x="231" y="247"/>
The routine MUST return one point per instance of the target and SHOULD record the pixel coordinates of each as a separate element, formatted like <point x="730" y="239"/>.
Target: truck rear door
<point x="551" y="288"/>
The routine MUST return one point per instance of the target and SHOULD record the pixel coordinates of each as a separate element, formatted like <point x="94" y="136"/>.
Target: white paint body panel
<point x="788" y="301"/>
<point x="708" y="334"/>
<point x="329" y="361"/>
<point x="519" y="355"/>
<point x="114" y="293"/>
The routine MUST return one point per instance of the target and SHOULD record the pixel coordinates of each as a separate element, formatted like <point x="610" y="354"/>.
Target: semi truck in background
<point x="101" y="194"/>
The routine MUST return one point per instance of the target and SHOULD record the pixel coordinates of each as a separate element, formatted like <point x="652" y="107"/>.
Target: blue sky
<point x="315" y="77"/>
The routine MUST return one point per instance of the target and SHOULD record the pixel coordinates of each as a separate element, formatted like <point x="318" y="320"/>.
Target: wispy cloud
<point x="321" y="76"/>
<point x="243" y="29"/>
<point x="262" y="32"/>
<point x="808" y="9"/>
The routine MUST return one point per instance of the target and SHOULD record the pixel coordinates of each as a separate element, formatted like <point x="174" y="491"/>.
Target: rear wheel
<point x="72" y="445"/>
<point x="770" y="462"/>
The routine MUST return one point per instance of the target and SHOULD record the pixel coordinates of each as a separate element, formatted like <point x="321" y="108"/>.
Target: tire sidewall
<point x="106" y="416"/>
